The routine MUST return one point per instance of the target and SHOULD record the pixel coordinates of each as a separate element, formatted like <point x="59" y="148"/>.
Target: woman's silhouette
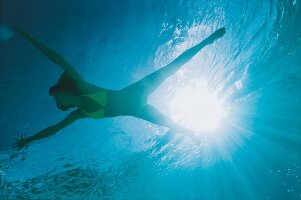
<point x="91" y="101"/>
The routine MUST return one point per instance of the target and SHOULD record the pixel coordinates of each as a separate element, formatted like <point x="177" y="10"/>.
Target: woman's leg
<point x="152" y="81"/>
<point x="151" y="114"/>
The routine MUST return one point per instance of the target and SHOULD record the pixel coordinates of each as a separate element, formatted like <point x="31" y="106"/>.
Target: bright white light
<point x="197" y="108"/>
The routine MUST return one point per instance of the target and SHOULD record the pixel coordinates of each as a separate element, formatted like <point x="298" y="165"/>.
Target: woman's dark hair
<point x="53" y="90"/>
<point x="65" y="83"/>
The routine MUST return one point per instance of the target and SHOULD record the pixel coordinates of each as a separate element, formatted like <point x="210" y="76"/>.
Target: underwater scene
<point x="145" y="99"/>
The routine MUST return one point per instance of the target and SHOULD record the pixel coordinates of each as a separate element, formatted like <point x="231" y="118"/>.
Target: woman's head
<point x="64" y="99"/>
<point x="65" y="83"/>
<point x="65" y="93"/>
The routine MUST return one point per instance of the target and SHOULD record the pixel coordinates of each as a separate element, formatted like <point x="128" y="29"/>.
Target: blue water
<point x="256" y="67"/>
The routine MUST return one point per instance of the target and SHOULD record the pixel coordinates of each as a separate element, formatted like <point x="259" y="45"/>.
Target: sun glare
<point x="198" y="108"/>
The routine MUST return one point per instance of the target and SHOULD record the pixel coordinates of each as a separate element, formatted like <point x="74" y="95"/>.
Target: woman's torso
<point x="93" y="104"/>
<point x="111" y="103"/>
<point x="97" y="102"/>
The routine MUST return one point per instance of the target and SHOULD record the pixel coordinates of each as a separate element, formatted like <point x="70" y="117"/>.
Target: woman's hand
<point x="51" y="130"/>
<point x="21" y="143"/>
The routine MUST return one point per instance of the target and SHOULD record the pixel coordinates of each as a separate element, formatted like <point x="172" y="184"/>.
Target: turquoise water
<point x="255" y="68"/>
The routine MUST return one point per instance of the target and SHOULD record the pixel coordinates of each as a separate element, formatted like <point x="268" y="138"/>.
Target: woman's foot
<point x="217" y="34"/>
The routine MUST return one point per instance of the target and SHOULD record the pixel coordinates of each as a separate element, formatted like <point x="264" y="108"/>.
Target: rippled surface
<point x="254" y="68"/>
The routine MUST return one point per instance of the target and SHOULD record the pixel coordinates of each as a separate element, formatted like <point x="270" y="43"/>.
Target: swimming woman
<point x="90" y="101"/>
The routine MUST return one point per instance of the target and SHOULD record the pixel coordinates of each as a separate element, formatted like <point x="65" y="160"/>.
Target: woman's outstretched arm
<point x="47" y="132"/>
<point x="52" y="55"/>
